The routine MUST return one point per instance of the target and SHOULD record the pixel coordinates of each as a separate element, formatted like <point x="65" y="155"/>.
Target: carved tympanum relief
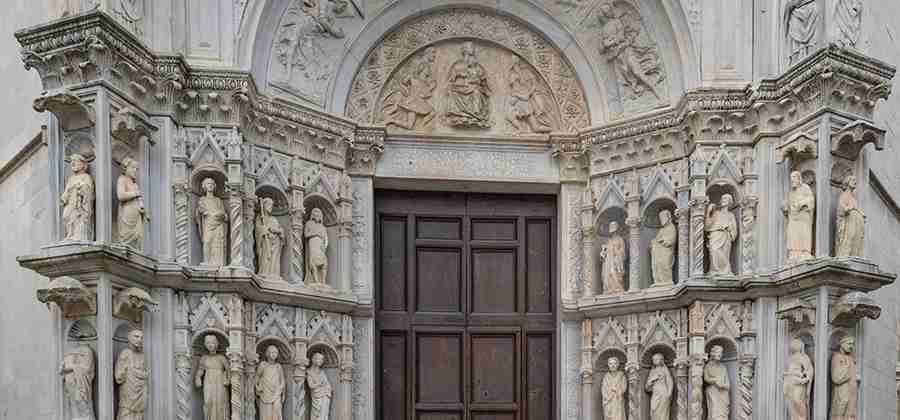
<point x="468" y="85"/>
<point x="851" y="222"/>
<point x="660" y="385"/>
<point x="213" y="378"/>
<point x="270" y="386"/>
<point x="721" y="230"/>
<point x="78" y="201"/>
<point x="132" y="214"/>
<point x="612" y="255"/>
<point x="717" y="386"/>
<point x="844" y="381"/>
<point x="212" y="222"/>
<point x="798" y="381"/>
<point x="662" y="250"/>
<point x="502" y="72"/>
<point x="800" y="208"/>
<point x="612" y="390"/>
<point x="802" y="25"/>
<point x="132" y="374"/>
<point x="78" y="370"/>
<point x="308" y="42"/>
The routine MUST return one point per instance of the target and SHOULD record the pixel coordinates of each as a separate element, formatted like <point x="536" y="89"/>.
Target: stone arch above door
<point x="529" y="84"/>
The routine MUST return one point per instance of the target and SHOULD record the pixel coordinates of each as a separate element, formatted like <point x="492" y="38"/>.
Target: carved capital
<point x="131" y="303"/>
<point x="852" y="307"/>
<point x="363" y="153"/>
<point x="70" y="110"/>
<point x="798" y="313"/>
<point x="848" y="141"/>
<point x="73" y="298"/>
<point x="799" y="147"/>
<point x="572" y="157"/>
<point x="127" y="126"/>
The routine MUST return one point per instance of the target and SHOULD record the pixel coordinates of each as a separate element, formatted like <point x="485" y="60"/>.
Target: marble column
<point x="105" y="356"/>
<point x="744" y="407"/>
<point x="344" y="394"/>
<point x="345" y="235"/>
<point x="698" y="234"/>
<point x="634" y="253"/>
<point x="681" y="389"/>
<point x="235" y="353"/>
<point x="698" y="361"/>
<point x="588" y="232"/>
<point x="183" y="381"/>
<point x="684" y="241"/>
<point x="300" y="344"/>
<point x="587" y="371"/>
<point x="236" y="229"/>
<point x="249" y="242"/>
<point x="635" y="391"/>
<point x="297" y="212"/>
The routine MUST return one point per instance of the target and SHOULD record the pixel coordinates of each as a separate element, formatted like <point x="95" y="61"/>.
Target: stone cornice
<point x="92" y="48"/>
<point x="839" y="273"/>
<point x="86" y="261"/>
<point x="834" y="79"/>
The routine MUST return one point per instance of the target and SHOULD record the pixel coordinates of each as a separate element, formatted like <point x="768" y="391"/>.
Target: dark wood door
<point x="465" y="309"/>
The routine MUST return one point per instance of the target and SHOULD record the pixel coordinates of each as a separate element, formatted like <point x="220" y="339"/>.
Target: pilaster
<point x="586" y="371"/>
<point x="105" y="356"/>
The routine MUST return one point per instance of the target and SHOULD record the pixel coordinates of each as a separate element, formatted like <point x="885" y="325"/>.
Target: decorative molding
<point x="70" y="110"/>
<point x="799" y="147"/>
<point x="73" y="298"/>
<point x="849" y="140"/>
<point x="852" y="307"/>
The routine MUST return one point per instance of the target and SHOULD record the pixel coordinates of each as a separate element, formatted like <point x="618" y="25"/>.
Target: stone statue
<point x="213" y="377"/>
<point x="317" y="249"/>
<point x="270" y="386"/>
<point x="715" y="376"/>
<point x="800" y="209"/>
<point x="132" y="214"/>
<point x="613" y="391"/>
<point x="721" y="228"/>
<point x="847" y="22"/>
<point x="319" y="389"/>
<point x="529" y="109"/>
<point x="844" y="382"/>
<point x="662" y="250"/>
<point x="469" y="92"/>
<point x="78" y="202"/>
<point x="618" y="43"/>
<point x="78" y="372"/>
<point x="851" y="222"/>
<point x="409" y="105"/>
<point x="802" y="17"/>
<point x="132" y="375"/>
<point x="660" y="386"/>
<point x="269" y="240"/>
<point x="798" y="382"/>
<point x="613" y="256"/>
<point x="212" y="221"/>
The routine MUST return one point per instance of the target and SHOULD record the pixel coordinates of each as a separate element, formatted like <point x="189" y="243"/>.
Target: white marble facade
<point x="213" y="249"/>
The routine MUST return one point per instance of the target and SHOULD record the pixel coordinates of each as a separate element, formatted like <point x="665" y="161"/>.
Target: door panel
<point x="465" y="310"/>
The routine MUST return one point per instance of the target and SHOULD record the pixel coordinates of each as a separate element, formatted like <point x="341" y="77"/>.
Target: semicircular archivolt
<point x="486" y="90"/>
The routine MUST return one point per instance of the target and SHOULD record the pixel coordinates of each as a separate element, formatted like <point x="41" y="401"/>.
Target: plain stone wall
<point x="25" y="324"/>
<point x="27" y="366"/>
<point x="881" y="39"/>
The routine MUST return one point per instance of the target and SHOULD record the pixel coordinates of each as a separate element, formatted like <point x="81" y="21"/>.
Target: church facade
<point x="514" y="209"/>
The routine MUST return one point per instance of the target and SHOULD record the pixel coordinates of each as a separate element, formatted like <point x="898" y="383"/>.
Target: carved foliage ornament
<point x="405" y="47"/>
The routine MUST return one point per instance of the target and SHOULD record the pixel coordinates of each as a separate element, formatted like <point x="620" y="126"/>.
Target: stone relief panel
<point x="508" y="79"/>
<point x="624" y="48"/>
<point x="308" y="42"/>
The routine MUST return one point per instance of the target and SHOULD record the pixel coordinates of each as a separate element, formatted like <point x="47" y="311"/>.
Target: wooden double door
<point x="465" y="314"/>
